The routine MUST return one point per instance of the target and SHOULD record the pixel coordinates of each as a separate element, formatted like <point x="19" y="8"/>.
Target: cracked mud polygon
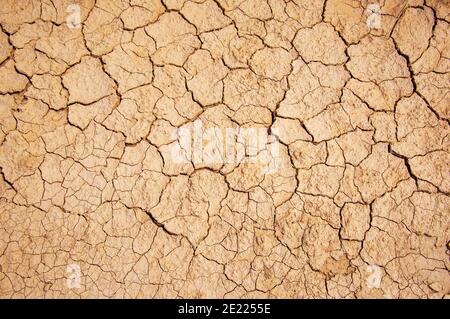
<point x="352" y="98"/>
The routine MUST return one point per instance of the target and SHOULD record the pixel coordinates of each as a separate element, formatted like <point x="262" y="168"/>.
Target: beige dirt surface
<point x="100" y="196"/>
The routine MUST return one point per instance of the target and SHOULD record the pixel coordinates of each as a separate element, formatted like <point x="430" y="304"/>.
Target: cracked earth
<point x="359" y="207"/>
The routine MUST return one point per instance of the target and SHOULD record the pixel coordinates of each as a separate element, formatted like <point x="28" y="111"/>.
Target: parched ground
<point x="93" y="202"/>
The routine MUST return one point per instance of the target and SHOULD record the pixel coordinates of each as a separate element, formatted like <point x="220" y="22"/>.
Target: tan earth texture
<point x="94" y="202"/>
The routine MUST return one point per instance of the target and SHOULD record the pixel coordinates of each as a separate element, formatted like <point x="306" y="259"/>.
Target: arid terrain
<point x="224" y="149"/>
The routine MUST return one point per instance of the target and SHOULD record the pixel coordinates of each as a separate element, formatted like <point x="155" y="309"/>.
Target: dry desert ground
<point x="224" y="149"/>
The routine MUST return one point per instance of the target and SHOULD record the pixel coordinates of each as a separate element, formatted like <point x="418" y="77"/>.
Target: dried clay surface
<point x="94" y="202"/>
